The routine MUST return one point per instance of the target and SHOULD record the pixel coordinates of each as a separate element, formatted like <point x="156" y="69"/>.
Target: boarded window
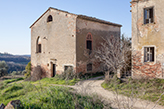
<point x="149" y="54"/>
<point x="49" y="19"/>
<point x="148" y="15"/>
<point x="68" y="68"/>
<point x="89" y="67"/>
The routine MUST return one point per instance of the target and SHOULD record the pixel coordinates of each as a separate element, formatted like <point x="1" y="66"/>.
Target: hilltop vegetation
<point x="15" y="62"/>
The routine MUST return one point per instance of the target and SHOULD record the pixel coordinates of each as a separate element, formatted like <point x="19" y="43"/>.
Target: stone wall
<point x="58" y="39"/>
<point x="63" y="41"/>
<point x="147" y="35"/>
<point x="97" y="30"/>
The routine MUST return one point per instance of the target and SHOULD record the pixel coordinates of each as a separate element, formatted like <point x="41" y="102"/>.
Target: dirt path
<point x="93" y="86"/>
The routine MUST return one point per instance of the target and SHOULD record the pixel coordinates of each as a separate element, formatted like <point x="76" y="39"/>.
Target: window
<point x="89" y="67"/>
<point x="148" y="15"/>
<point x="89" y="43"/>
<point x="38" y="45"/>
<point x="49" y="19"/>
<point x="39" y="48"/>
<point x="68" y="68"/>
<point x="148" y="54"/>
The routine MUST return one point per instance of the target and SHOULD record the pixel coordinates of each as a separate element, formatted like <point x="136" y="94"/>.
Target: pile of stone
<point x="15" y="104"/>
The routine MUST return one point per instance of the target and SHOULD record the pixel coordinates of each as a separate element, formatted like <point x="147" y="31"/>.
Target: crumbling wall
<point x="145" y="35"/>
<point x="97" y="30"/>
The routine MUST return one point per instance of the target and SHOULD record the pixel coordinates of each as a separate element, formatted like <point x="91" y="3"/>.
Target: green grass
<point x="12" y="80"/>
<point x="42" y="94"/>
<point x="145" y="89"/>
<point x="56" y="80"/>
<point x="39" y="97"/>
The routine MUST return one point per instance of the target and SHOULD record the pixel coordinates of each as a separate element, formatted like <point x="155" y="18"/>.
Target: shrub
<point x="24" y="72"/>
<point x="28" y="70"/>
<point x="3" y="68"/>
<point x="14" y="73"/>
<point x="68" y="75"/>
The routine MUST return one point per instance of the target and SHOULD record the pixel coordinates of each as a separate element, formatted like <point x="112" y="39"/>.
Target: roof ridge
<point x="85" y="17"/>
<point x="98" y="20"/>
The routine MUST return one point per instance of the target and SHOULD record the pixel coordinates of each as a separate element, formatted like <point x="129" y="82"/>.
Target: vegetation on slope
<point x="148" y="89"/>
<point x="46" y="97"/>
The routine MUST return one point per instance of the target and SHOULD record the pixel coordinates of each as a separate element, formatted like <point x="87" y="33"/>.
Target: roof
<point x="81" y="17"/>
<point x="98" y="20"/>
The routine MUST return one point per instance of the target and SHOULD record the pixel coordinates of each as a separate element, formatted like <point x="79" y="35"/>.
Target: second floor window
<point x="89" y="43"/>
<point x="38" y="45"/>
<point x="148" y="15"/>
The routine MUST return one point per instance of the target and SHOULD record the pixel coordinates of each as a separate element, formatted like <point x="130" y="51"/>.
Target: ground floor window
<point x="89" y="67"/>
<point x="68" y="68"/>
<point x="149" y="54"/>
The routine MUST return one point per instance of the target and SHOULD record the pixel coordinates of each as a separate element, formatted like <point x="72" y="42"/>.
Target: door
<point x="54" y="70"/>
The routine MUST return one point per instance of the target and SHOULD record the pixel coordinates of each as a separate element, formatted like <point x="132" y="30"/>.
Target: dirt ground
<point x="93" y="86"/>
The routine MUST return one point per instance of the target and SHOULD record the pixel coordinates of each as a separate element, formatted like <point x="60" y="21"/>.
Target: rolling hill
<point x="15" y="62"/>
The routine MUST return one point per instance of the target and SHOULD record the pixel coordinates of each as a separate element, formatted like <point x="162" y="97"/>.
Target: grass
<point x="45" y="97"/>
<point x="147" y="89"/>
<point x="12" y="80"/>
<point x="42" y="94"/>
<point x="56" y="80"/>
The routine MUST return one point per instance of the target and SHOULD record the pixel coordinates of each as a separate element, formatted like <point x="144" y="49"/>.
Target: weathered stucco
<point x="97" y="30"/>
<point x="63" y="40"/>
<point x="145" y="35"/>
<point x="57" y="38"/>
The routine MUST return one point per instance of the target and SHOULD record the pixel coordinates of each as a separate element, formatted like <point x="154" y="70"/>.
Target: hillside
<point x="15" y="62"/>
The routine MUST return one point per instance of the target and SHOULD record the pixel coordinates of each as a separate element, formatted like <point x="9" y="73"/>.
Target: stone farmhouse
<point x="147" y="38"/>
<point x="59" y="40"/>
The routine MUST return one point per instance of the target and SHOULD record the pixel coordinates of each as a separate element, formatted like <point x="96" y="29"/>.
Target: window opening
<point x="89" y="67"/>
<point x="148" y="54"/>
<point x="89" y="43"/>
<point x="49" y="19"/>
<point x="148" y="15"/>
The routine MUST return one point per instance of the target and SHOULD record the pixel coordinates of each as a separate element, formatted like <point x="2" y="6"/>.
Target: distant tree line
<point x="16" y="59"/>
<point x="15" y="67"/>
<point x="15" y="62"/>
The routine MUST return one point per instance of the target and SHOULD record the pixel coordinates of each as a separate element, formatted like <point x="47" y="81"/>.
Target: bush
<point x="90" y="75"/>
<point x="3" y="68"/>
<point x="28" y="70"/>
<point x="24" y="72"/>
<point x="67" y="75"/>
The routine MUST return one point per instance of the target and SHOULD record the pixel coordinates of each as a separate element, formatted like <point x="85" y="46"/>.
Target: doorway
<point x="53" y="70"/>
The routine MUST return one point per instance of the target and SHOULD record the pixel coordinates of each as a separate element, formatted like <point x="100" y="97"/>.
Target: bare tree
<point x="113" y="53"/>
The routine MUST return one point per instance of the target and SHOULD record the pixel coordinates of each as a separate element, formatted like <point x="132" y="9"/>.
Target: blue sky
<point x="16" y="16"/>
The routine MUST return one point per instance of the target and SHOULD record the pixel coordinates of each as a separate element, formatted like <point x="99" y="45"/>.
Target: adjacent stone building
<point x="147" y="38"/>
<point x="60" y="40"/>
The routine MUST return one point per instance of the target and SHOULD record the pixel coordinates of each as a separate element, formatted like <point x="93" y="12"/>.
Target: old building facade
<point x="59" y="40"/>
<point x="147" y="38"/>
